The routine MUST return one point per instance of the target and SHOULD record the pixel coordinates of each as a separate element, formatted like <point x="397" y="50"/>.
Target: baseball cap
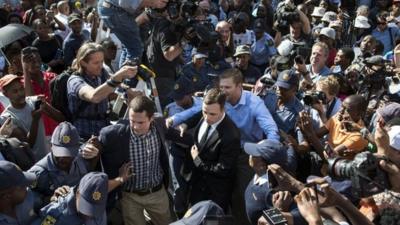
<point x="328" y="32"/>
<point x="318" y="12"/>
<point x="273" y="152"/>
<point x="198" y="55"/>
<point x="182" y="87"/>
<point x="281" y="63"/>
<point x="287" y="79"/>
<point x="7" y="79"/>
<point x="197" y="213"/>
<point x="242" y="49"/>
<point x="65" y="140"/>
<point x="11" y="176"/>
<point x="394" y="137"/>
<point x="361" y="22"/>
<point x="329" y="17"/>
<point x="73" y="17"/>
<point x="389" y="111"/>
<point x="93" y="191"/>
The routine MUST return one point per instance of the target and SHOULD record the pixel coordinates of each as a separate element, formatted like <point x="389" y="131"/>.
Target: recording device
<point x="285" y="14"/>
<point x="143" y="72"/>
<point x="364" y="172"/>
<point x="274" y="217"/>
<point x="37" y="104"/>
<point x="314" y="97"/>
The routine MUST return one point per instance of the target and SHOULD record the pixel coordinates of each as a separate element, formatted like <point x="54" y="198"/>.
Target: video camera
<point x="143" y="72"/>
<point x="313" y="97"/>
<point x="198" y="33"/>
<point x="364" y="172"/>
<point x="285" y="14"/>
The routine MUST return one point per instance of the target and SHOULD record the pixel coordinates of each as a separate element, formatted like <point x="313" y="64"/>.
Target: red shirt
<point x="49" y="124"/>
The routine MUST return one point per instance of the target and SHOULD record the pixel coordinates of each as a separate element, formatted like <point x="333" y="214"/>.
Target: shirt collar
<point x="214" y="126"/>
<point x="260" y="180"/>
<point x="136" y="137"/>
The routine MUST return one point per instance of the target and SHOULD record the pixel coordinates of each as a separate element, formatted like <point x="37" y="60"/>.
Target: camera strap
<point x="330" y="108"/>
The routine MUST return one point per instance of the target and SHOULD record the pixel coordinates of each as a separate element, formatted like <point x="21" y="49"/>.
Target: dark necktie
<point x="205" y="135"/>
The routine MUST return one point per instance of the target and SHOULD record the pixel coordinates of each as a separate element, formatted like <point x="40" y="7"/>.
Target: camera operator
<point x="119" y="16"/>
<point x="331" y="104"/>
<point x="317" y="68"/>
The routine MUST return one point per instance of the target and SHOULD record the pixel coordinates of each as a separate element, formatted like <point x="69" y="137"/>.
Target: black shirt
<point x="47" y="49"/>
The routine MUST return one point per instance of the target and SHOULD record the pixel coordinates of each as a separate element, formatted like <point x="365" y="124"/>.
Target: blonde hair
<point x="331" y="84"/>
<point x="84" y="52"/>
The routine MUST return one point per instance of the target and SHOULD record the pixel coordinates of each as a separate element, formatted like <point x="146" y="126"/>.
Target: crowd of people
<point x="244" y="112"/>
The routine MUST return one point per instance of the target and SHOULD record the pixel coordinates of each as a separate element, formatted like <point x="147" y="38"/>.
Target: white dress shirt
<point x="203" y="128"/>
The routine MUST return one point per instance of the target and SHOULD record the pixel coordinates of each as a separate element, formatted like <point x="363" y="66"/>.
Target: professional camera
<point x="285" y="14"/>
<point x="364" y="172"/>
<point x="314" y="97"/>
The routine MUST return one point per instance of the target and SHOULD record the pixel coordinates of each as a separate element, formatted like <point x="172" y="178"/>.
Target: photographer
<point x="331" y="104"/>
<point x="119" y="16"/>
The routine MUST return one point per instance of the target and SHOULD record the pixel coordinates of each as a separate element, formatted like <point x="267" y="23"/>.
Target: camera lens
<point x="340" y="168"/>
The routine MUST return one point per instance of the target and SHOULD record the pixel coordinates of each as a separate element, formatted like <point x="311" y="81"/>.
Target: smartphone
<point x="272" y="182"/>
<point x="299" y="59"/>
<point x="274" y="217"/>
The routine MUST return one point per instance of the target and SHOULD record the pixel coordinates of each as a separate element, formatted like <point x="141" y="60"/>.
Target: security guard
<point x="84" y="204"/>
<point x="16" y="200"/>
<point x="263" y="48"/>
<point x="63" y="166"/>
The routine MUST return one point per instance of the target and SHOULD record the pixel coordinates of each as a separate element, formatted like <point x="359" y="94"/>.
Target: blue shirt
<point x="65" y="213"/>
<point x="314" y="76"/>
<point x="387" y="37"/>
<point x="24" y="211"/>
<point x="71" y="45"/>
<point x="49" y="177"/>
<point x="199" y="79"/>
<point x="172" y="108"/>
<point x="93" y="117"/>
<point x="262" y="50"/>
<point x="250" y="115"/>
<point x="285" y="116"/>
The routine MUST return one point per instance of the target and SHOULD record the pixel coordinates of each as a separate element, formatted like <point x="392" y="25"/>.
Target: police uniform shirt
<point x="64" y="212"/>
<point x="49" y="177"/>
<point x="285" y="116"/>
<point x="25" y="213"/>
<point x="199" y="79"/>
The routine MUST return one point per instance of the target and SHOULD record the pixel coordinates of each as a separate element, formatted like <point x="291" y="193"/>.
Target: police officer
<point x="63" y="166"/>
<point x="84" y="204"/>
<point x="196" y="71"/>
<point x="16" y="200"/>
<point x="183" y="99"/>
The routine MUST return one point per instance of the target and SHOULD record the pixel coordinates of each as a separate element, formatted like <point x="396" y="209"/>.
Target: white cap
<point x="318" y="12"/>
<point x="285" y="47"/>
<point x="394" y="137"/>
<point x="329" y="17"/>
<point x="329" y="32"/>
<point x="198" y="55"/>
<point x="361" y="22"/>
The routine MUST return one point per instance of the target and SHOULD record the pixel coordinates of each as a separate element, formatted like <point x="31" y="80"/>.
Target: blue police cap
<point x="287" y="79"/>
<point x="11" y="176"/>
<point x="182" y="87"/>
<point x="65" y="140"/>
<point x="198" y="212"/>
<point x="273" y="152"/>
<point x="93" y="191"/>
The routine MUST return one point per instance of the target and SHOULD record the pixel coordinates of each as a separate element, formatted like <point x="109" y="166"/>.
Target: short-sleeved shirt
<point x="25" y="212"/>
<point x="338" y="136"/>
<point x="262" y="50"/>
<point x="22" y="118"/>
<point x="49" y="177"/>
<point x="49" y="124"/>
<point x="65" y="213"/>
<point x="93" y="117"/>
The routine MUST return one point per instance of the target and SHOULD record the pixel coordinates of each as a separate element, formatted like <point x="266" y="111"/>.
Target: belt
<point x="147" y="191"/>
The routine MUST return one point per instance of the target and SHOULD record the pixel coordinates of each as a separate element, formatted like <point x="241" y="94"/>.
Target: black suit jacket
<point x="213" y="170"/>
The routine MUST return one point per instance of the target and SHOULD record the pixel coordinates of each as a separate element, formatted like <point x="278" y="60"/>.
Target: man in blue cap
<point x="196" y="71"/>
<point x="16" y="201"/>
<point x="283" y="104"/>
<point x="84" y="204"/>
<point x="63" y="166"/>
<point x="259" y="195"/>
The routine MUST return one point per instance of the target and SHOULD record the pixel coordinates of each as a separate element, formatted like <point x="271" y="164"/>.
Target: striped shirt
<point x="144" y="153"/>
